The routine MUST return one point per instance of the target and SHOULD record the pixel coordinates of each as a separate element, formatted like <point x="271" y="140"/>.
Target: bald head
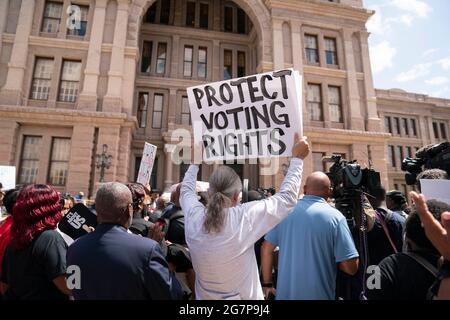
<point x="111" y="202"/>
<point x="318" y="184"/>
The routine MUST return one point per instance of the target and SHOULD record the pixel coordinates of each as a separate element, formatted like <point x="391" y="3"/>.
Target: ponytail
<point x="224" y="183"/>
<point x="214" y="213"/>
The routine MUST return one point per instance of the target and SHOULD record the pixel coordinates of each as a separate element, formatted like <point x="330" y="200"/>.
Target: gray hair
<point x="224" y="183"/>
<point x="111" y="199"/>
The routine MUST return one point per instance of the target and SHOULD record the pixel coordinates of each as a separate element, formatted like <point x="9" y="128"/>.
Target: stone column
<point x="129" y="77"/>
<point x="8" y="140"/>
<point x="112" y="101"/>
<point x="81" y="158"/>
<point x="297" y="47"/>
<point x="373" y="122"/>
<point x="278" y="54"/>
<point x="172" y="110"/>
<point x="4" y="6"/>
<point x="12" y="90"/>
<point x="216" y="63"/>
<point x="88" y="96"/>
<point x="356" y="120"/>
<point x="168" y="178"/>
<point x="174" y="56"/>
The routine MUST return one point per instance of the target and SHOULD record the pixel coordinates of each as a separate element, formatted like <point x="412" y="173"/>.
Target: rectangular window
<point x="204" y="15"/>
<point x="142" y="109"/>
<point x="154" y="175"/>
<point x="311" y="47"/>
<point x="315" y="102"/>
<point x="334" y="100"/>
<point x="59" y="161"/>
<point x="391" y="156"/>
<point x="413" y="127"/>
<point x="330" y="51"/>
<point x="241" y="21"/>
<point x="318" y="164"/>
<point x="42" y="76"/>
<point x="397" y="125"/>
<point x="29" y="161"/>
<point x="150" y="15"/>
<point x="190" y="14"/>
<point x="241" y="64"/>
<point x="146" y="61"/>
<point x="187" y="66"/>
<point x="70" y="79"/>
<point x="387" y="124"/>
<point x="185" y="112"/>
<point x="436" y="130"/>
<point x="228" y="19"/>
<point x="202" y="62"/>
<point x="443" y="131"/>
<point x="157" y="111"/>
<point x="52" y="17"/>
<point x="227" y="64"/>
<point x="396" y="187"/>
<point x="161" y="58"/>
<point x="80" y="30"/>
<point x="405" y="126"/>
<point x="165" y="12"/>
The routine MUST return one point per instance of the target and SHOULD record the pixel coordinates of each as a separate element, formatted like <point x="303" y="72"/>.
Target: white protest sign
<point x="250" y="117"/>
<point x="8" y="177"/>
<point x="146" y="167"/>
<point x="436" y="189"/>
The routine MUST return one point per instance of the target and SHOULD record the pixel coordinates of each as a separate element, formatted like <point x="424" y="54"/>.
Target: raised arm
<point x="261" y="216"/>
<point x="188" y="194"/>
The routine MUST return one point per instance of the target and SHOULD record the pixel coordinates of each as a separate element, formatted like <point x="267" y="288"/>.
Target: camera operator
<point x="396" y="201"/>
<point x="386" y="236"/>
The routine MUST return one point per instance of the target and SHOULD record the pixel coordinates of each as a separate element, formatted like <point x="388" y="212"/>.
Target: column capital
<point x="101" y="4"/>
<point x="123" y="4"/>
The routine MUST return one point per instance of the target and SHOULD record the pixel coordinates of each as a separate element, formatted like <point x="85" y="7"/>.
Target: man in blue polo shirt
<point x="314" y="240"/>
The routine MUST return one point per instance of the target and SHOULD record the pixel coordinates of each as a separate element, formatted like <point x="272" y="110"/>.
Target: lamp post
<point x="103" y="161"/>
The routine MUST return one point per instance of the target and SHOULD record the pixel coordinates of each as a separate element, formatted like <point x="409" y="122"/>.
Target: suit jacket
<point x="115" y="264"/>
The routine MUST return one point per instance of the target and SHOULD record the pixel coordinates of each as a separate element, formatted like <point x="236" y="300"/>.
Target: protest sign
<point x="146" y="167"/>
<point x="77" y="221"/>
<point x="249" y="117"/>
<point x="436" y="189"/>
<point x="8" y="177"/>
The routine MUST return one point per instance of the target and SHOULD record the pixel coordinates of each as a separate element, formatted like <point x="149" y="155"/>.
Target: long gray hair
<point x="224" y="183"/>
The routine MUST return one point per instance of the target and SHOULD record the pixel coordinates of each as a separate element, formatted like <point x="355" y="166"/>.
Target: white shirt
<point x="225" y="262"/>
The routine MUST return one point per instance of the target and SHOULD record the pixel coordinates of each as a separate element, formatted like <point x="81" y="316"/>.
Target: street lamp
<point x="103" y="161"/>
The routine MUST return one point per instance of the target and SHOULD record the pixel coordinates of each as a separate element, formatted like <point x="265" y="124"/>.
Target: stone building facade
<point x="119" y="76"/>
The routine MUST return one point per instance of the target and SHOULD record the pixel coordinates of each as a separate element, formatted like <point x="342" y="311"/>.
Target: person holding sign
<point x="221" y="236"/>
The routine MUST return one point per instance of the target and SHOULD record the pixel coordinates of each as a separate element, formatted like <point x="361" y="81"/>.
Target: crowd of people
<point x="188" y="244"/>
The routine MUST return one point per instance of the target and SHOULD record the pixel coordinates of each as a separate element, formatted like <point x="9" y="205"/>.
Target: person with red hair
<point x="34" y="264"/>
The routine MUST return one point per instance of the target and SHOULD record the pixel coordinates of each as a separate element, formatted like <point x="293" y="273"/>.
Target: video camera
<point x="435" y="156"/>
<point x="349" y="182"/>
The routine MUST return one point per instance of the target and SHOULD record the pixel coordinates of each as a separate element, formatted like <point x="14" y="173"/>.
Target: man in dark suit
<point x="115" y="264"/>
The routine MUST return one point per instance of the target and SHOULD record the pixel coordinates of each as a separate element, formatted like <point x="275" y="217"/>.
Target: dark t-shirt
<point x="140" y="226"/>
<point x="379" y="245"/>
<point x="403" y="278"/>
<point x="175" y="233"/>
<point x="29" y="272"/>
